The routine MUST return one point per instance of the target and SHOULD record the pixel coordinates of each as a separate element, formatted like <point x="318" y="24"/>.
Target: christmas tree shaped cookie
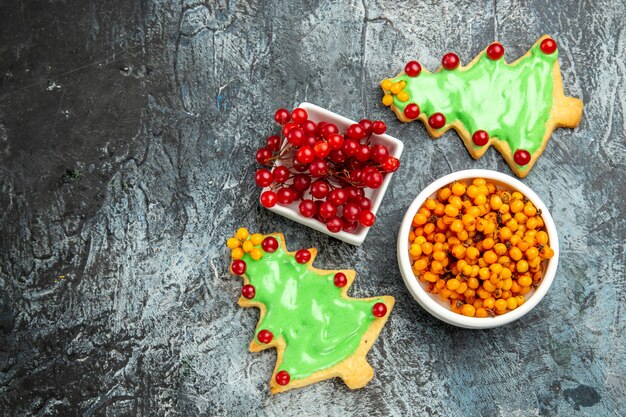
<point x="318" y="331"/>
<point x="514" y="107"/>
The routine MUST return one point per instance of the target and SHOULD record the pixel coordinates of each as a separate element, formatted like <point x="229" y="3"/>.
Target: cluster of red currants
<point x="323" y="169"/>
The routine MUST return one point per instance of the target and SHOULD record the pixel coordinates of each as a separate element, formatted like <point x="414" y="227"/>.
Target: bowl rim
<point x="426" y="300"/>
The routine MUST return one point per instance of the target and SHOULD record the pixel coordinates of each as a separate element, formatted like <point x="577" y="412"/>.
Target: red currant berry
<point x="248" y="291"/>
<point x="282" y="378"/>
<point x="305" y="155"/>
<point x="391" y="164"/>
<point x="355" y="132"/>
<point x="285" y="196"/>
<point x="301" y="182"/>
<point x="363" y="154"/>
<point x="321" y="149"/>
<point x="437" y="121"/>
<point x="303" y="256"/>
<point x="265" y="336"/>
<point x="349" y="227"/>
<point x="327" y="210"/>
<point x="295" y="136"/>
<point x="299" y="167"/>
<point x="282" y="116"/>
<point x="318" y="168"/>
<point x="338" y="197"/>
<point x="351" y="212"/>
<point x="270" y="244"/>
<point x="411" y="111"/>
<point x="379" y="127"/>
<point x="353" y="193"/>
<point x="548" y="46"/>
<point x="268" y="199"/>
<point x="288" y="127"/>
<point x="264" y="156"/>
<point x="340" y="280"/>
<point x="263" y="177"/>
<point x="334" y="224"/>
<point x="367" y="218"/>
<point x="310" y="140"/>
<point x="480" y="138"/>
<point x="273" y="143"/>
<point x="335" y="141"/>
<point x="280" y="174"/>
<point x="379" y="310"/>
<point x="450" y="61"/>
<point x="365" y="204"/>
<point x="309" y="127"/>
<point x="299" y="115"/>
<point x="367" y="126"/>
<point x="350" y="147"/>
<point x="338" y="156"/>
<point x="373" y="179"/>
<point x="320" y="189"/>
<point x="320" y="125"/>
<point x="238" y="267"/>
<point x="328" y="129"/>
<point x="307" y="208"/>
<point x="521" y="157"/>
<point x="412" y="69"/>
<point x="495" y="51"/>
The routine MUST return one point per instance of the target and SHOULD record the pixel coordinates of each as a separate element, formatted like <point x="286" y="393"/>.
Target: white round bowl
<point x="433" y="302"/>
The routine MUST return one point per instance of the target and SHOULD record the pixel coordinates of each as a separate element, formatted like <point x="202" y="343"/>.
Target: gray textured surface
<point x="126" y="139"/>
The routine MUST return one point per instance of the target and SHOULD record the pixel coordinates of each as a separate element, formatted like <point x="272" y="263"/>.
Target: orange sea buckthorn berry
<point x="443" y="194"/>
<point x="439" y="208"/>
<point x="488" y="286"/>
<point x="482" y="293"/>
<point x="525" y="281"/>
<point x="453" y="284"/>
<point x="490" y="257"/>
<point x="480" y="199"/>
<point x="505" y="274"/>
<point x="233" y="243"/>
<point x="481" y="312"/>
<point x="462" y="288"/>
<point x="507" y="283"/>
<point x="429" y="228"/>
<point x="535" y="262"/>
<point x="531" y="223"/>
<point x="488" y="243"/>
<point x="522" y="266"/>
<point x="420" y="264"/>
<point x="515" y="253"/>
<point x="479" y="181"/>
<point x="489" y="303"/>
<point x="430" y="204"/>
<point x="439" y="255"/>
<point x="505" y="233"/>
<point x="451" y="211"/>
<point x="456" y="226"/>
<point x="472" y="191"/>
<point x="484" y="273"/>
<point x="468" y="220"/>
<point x="427" y="248"/>
<point x="458" y="188"/>
<point x="242" y="233"/>
<point x="477" y="302"/>
<point x="467" y="270"/>
<point x="463" y="235"/>
<point x="517" y="206"/>
<point x="237" y="253"/>
<point x="456" y="201"/>
<point x="468" y="310"/>
<point x="530" y="210"/>
<point x="520" y="300"/>
<point x="523" y="245"/>
<point x="419" y="240"/>
<point x="511" y="303"/>
<point x="516" y="195"/>
<point x="440" y="237"/>
<point x="430" y="277"/>
<point x="499" y="249"/>
<point x="524" y="290"/>
<point x="473" y="283"/>
<point x="472" y="253"/>
<point x="542" y="237"/>
<point x="436" y="267"/>
<point x="247" y="246"/>
<point x="420" y="219"/>
<point x="500" y="304"/>
<point x="415" y="250"/>
<point x="547" y="252"/>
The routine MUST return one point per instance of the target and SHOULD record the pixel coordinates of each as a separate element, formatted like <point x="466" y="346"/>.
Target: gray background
<point x="127" y="131"/>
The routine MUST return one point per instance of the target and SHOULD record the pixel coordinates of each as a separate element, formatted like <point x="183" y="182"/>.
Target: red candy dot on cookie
<point x="238" y="267"/>
<point x="379" y="310"/>
<point x="303" y="256"/>
<point x="548" y="46"/>
<point x="282" y="378"/>
<point x="437" y="121"/>
<point x="412" y="111"/>
<point x="495" y="51"/>
<point x="340" y="279"/>
<point x="450" y="61"/>
<point x="265" y="336"/>
<point x="521" y="157"/>
<point x="269" y="244"/>
<point x="413" y="69"/>
<point x="480" y="138"/>
<point x="248" y="291"/>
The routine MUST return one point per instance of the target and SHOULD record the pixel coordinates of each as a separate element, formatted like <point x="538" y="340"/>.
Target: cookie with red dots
<point x="319" y="332"/>
<point x="514" y="107"/>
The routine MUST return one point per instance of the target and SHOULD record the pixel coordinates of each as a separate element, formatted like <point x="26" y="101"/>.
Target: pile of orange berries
<point x="480" y="247"/>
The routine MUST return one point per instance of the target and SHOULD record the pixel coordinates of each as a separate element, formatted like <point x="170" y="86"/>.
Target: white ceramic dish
<point x="432" y="302"/>
<point x="291" y="211"/>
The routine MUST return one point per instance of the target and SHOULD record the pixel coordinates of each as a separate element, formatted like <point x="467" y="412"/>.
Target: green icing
<point x="319" y="326"/>
<point x="510" y="102"/>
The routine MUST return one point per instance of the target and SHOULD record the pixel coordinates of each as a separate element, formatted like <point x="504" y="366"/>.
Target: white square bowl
<point x="395" y="146"/>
